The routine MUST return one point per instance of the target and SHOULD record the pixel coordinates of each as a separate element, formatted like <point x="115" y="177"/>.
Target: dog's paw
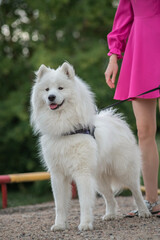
<point x="58" y="227"/>
<point x="144" y="214"/>
<point x="109" y="217"/>
<point x="85" y="226"/>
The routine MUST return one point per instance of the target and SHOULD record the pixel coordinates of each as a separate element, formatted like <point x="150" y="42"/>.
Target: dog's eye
<point x="60" y="88"/>
<point x="47" y="89"/>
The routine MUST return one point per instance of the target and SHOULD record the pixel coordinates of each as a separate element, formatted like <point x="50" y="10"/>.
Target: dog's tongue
<point x="53" y="106"/>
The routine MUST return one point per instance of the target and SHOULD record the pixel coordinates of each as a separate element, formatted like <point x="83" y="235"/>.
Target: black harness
<point x="86" y="130"/>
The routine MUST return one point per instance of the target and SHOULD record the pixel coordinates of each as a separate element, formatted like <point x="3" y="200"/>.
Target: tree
<point x="48" y="32"/>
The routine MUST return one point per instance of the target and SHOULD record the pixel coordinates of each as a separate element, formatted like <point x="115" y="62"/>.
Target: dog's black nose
<point x="51" y="98"/>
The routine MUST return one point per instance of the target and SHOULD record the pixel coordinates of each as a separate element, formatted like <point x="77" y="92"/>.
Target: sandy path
<point x="34" y="222"/>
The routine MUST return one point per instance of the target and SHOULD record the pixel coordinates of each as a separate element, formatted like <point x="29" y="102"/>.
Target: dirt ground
<point x="34" y="222"/>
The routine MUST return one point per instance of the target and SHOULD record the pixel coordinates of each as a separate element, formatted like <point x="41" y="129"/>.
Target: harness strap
<point x="82" y="131"/>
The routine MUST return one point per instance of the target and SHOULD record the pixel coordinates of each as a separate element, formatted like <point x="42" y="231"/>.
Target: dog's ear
<point x="67" y="69"/>
<point x="41" y="71"/>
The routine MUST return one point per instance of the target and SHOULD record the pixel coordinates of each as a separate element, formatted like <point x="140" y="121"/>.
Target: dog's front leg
<point x="62" y="194"/>
<point x="86" y="191"/>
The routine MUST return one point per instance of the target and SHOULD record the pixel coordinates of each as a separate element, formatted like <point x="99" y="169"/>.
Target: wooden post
<point x="4" y="195"/>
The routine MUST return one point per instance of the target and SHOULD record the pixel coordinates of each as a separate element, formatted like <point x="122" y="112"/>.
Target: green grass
<point x="28" y="193"/>
<point x="17" y="198"/>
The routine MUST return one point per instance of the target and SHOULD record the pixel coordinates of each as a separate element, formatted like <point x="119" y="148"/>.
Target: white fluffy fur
<point x="105" y="164"/>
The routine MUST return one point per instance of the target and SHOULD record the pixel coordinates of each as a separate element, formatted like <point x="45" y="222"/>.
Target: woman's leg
<point x="145" y="114"/>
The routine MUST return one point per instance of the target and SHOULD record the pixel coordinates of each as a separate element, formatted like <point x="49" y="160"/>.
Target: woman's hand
<point x="111" y="71"/>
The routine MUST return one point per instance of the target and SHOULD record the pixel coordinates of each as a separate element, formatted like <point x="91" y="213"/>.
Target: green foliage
<point x="48" y="32"/>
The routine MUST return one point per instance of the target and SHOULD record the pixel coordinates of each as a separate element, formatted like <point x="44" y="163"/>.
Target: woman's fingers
<point x="111" y="71"/>
<point x="115" y="70"/>
<point x="108" y="78"/>
<point x="110" y="74"/>
<point x="110" y="83"/>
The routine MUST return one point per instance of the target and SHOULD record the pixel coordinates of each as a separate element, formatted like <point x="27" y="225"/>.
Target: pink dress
<point x="136" y="32"/>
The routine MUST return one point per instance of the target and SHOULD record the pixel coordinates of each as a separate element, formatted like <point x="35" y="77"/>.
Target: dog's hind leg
<point x="142" y="208"/>
<point x="104" y="188"/>
<point x="61" y="187"/>
<point x="86" y="192"/>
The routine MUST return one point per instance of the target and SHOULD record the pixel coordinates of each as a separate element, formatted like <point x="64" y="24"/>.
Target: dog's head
<point x="55" y="86"/>
<point x="59" y="96"/>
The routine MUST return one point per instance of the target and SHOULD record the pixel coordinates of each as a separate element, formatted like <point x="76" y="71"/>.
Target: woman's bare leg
<point x="145" y="114"/>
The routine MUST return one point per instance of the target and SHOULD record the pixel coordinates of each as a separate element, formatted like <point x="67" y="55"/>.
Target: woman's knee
<point x="146" y="132"/>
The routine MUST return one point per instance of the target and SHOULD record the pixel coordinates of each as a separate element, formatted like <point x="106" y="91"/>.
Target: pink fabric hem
<point x="133" y="98"/>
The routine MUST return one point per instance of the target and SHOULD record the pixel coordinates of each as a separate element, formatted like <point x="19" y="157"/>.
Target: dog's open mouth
<point x="54" y="106"/>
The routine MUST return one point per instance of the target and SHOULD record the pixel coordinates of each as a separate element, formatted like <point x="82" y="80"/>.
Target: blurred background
<point x="47" y="32"/>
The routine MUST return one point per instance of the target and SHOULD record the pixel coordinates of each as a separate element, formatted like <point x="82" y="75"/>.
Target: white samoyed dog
<point x="97" y="151"/>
